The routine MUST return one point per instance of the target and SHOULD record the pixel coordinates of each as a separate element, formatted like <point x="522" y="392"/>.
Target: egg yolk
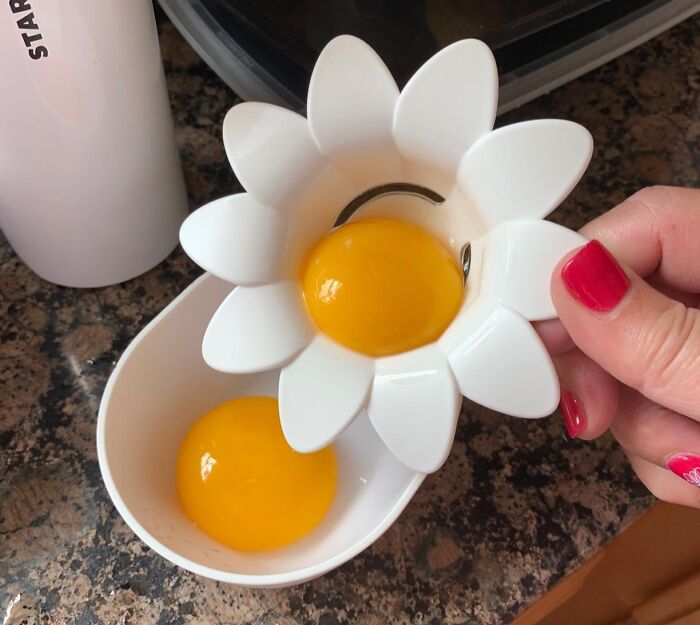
<point x="381" y="286"/>
<point x="242" y="484"/>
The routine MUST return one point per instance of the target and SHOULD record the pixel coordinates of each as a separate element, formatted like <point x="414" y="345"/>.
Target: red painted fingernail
<point x="595" y="278"/>
<point x="573" y="413"/>
<point x="686" y="466"/>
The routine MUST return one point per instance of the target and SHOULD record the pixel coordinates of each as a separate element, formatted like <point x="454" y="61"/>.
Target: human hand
<point x="627" y="345"/>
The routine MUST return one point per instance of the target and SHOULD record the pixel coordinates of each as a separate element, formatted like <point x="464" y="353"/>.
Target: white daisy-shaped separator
<point x="362" y="132"/>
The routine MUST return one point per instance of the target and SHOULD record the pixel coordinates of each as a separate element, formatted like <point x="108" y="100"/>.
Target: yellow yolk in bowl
<point x="381" y="287"/>
<point x="243" y="485"/>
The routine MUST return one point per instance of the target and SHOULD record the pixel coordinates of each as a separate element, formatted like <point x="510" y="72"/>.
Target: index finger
<point x="655" y="232"/>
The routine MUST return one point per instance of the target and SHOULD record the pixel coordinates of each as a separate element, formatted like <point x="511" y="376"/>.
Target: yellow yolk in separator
<point x="242" y="484"/>
<point x="380" y="286"/>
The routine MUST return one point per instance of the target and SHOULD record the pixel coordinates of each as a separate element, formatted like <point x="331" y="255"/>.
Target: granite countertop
<point x="516" y="507"/>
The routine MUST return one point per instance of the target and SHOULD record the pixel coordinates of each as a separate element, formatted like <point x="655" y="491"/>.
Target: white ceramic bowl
<point x="160" y="386"/>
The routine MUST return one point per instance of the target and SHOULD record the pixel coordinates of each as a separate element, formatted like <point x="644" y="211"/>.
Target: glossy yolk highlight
<point x="381" y="287"/>
<point x="242" y="484"/>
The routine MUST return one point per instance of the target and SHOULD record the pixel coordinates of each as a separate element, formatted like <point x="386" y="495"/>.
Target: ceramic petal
<point x="520" y="257"/>
<point x="414" y="407"/>
<point x="447" y="105"/>
<point x="257" y="328"/>
<point x="321" y="392"/>
<point x="499" y="361"/>
<point x="237" y="239"/>
<point x="271" y="152"/>
<point x="523" y="171"/>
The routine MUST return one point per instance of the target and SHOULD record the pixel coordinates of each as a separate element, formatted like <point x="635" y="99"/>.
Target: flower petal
<point x="500" y="362"/>
<point x="519" y="259"/>
<point x="447" y="105"/>
<point x="414" y="407"/>
<point x="525" y="170"/>
<point x="271" y="151"/>
<point x="237" y="239"/>
<point x="351" y="97"/>
<point x="257" y="328"/>
<point x="321" y="392"/>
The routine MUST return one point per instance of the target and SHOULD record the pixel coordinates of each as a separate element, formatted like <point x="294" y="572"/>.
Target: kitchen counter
<point x="516" y="507"/>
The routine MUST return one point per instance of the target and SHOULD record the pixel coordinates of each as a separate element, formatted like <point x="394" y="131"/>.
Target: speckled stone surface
<point x="516" y="507"/>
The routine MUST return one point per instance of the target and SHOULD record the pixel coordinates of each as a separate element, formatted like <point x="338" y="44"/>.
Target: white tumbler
<point x="91" y="189"/>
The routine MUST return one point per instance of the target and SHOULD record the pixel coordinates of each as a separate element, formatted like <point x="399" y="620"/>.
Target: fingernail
<point x="595" y="278"/>
<point x="573" y="413"/>
<point x="686" y="466"/>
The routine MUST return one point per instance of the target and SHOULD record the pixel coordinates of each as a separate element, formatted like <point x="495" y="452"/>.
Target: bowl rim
<point x="266" y="580"/>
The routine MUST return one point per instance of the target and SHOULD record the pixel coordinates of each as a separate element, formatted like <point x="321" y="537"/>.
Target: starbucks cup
<point x="91" y="189"/>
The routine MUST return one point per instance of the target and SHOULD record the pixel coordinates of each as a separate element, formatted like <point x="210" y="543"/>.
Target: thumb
<point x="641" y="337"/>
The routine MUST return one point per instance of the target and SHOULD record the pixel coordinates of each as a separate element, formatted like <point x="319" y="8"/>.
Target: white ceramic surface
<point x="352" y="96"/>
<point x="515" y="252"/>
<point x="489" y="343"/>
<point x="272" y="148"/>
<point x="160" y="386"/>
<point x="497" y="185"/>
<point x="414" y="385"/>
<point x="265" y="329"/>
<point x="442" y="110"/>
<point x="327" y="379"/>
<point x="251" y="240"/>
<point x="525" y="170"/>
